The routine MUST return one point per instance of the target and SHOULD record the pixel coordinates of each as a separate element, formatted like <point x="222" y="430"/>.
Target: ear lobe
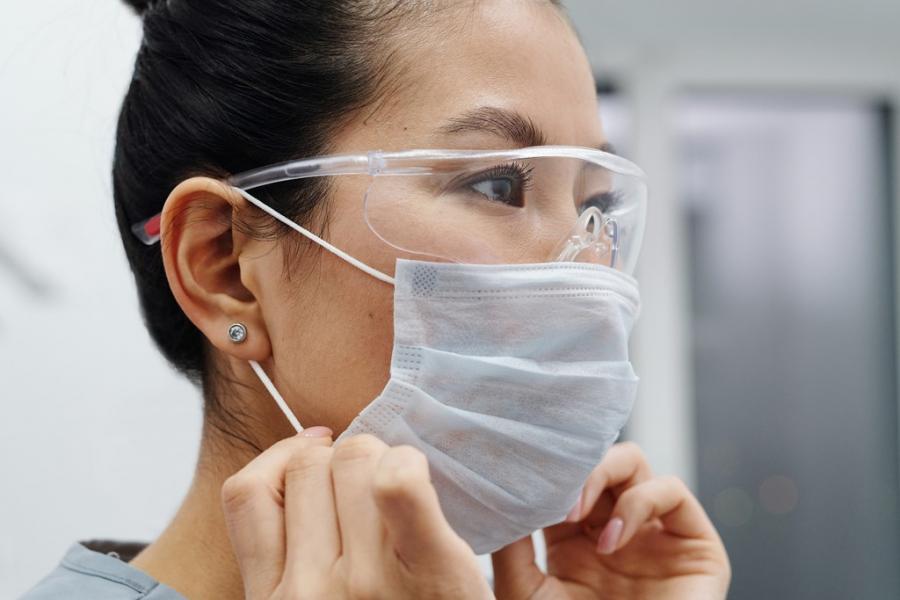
<point x="201" y="250"/>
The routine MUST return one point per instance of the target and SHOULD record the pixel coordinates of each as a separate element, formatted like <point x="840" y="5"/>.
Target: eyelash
<point x="520" y="173"/>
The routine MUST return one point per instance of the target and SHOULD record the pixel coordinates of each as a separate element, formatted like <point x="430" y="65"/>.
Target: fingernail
<point x="609" y="538"/>
<point x="575" y="513"/>
<point x="318" y="431"/>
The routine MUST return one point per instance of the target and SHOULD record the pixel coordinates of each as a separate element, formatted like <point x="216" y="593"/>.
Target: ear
<point x="201" y="249"/>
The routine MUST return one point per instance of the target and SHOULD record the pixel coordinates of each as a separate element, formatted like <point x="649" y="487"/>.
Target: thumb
<point x="410" y="510"/>
<point x="515" y="573"/>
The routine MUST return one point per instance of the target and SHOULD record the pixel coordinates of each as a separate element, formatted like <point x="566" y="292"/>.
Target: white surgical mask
<point x="513" y="380"/>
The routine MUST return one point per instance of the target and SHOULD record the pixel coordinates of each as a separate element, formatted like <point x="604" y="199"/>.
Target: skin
<point x="324" y="335"/>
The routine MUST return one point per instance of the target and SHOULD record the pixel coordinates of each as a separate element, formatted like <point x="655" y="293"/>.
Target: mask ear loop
<point x="310" y="235"/>
<point x="260" y="373"/>
<point x="291" y="417"/>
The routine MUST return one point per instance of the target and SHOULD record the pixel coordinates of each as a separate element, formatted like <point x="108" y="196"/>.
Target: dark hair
<point x="222" y="86"/>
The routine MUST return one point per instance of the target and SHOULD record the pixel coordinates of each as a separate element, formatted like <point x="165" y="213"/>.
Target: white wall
<point x="97" y="436"/>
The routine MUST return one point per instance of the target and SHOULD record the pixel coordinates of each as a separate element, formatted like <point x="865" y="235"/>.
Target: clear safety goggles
<point x="529" y="205"/>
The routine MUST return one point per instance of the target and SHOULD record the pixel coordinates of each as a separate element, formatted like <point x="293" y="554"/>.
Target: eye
<point x="605" y="202"/>
<point x="499" y="190"/>
<point x="506" y="184"/>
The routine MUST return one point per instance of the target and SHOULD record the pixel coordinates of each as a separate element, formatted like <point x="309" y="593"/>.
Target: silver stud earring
<point x="237" y="332"/>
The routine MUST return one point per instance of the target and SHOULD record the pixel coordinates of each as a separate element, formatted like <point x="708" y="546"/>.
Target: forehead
<point x="519" y="55"/>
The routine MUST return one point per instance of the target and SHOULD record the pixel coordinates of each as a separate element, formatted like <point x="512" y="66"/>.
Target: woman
<point x="480" y="293"/>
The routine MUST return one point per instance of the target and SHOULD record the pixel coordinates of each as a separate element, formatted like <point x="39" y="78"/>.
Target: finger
<point x="515" y="573"/>
<point x="665" y="498"/>
<point x="311" y="525"/>
<point x="590" y="526"/>
<point x="252" y="503"/>
<point x="624" y="466"/>
<point x="352" y="470"/>
<point x="409" y="507"/>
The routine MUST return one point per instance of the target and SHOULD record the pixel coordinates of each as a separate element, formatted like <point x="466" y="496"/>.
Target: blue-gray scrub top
<point x="85" y="574"/>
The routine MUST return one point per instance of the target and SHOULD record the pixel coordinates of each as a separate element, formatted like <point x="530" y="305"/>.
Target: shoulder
<point x="83" y="573"/>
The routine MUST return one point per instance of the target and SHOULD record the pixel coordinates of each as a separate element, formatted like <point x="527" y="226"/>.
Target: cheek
<point x="333" y="345"/>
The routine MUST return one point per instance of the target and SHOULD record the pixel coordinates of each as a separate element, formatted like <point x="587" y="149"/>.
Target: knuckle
<point x="305" y="461"/>
<point x="403" y="472"/>
<point x="241" y="489"/>
<point x="633" y="450"/>
<point x="288" y="444"/>
<point x="363" y="586"/>
<point x="358" y="447"/>
<point x="599" y="473"/>
<point x="295" y="587"/>
<point x="297" y="443"/>
<point x="634" y="497"/>
<point x="405" y="455"/>
<point x="675" y="483"/>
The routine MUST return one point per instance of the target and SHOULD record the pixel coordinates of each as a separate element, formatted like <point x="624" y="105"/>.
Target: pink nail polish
<point x="318" y="431"/>
<point x="575" y="513"/>
<point x="610" y="536"/>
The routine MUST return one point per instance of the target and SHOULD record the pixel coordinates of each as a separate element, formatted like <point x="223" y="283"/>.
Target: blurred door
<point x="794" y="340"/>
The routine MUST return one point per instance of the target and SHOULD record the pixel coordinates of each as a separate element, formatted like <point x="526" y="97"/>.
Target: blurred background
<point x="767" y="346"/>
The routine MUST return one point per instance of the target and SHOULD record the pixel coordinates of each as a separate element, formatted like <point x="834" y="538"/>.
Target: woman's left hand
<point x="632" y="535"/>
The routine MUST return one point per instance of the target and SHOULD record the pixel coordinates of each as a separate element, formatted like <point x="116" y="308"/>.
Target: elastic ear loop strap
<point x="309" y="234"/>
<point x="266" y="381"/>
<point x="291" y="417"/>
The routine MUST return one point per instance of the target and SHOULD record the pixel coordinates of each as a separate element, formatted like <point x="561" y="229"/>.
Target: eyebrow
<point x="508" y="124"/>
<point x="504" y="123"/>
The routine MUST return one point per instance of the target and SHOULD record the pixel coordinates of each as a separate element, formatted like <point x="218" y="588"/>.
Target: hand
<point x="357" y="521"/>
<point x="630" y="536"/>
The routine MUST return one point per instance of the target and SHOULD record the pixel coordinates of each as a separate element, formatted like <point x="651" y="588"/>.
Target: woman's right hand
<point x="360" y="520"/>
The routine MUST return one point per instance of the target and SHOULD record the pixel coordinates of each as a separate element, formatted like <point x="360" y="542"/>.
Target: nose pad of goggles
<point x="594" y="238"/>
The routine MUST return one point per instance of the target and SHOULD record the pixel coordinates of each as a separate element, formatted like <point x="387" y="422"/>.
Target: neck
<point x="193" y="554"/>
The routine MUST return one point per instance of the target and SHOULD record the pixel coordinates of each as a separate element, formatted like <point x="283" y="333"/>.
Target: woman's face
<point x="478" y="82"/>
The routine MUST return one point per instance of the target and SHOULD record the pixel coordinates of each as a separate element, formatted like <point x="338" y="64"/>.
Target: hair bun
<point x="140" y="6"/>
